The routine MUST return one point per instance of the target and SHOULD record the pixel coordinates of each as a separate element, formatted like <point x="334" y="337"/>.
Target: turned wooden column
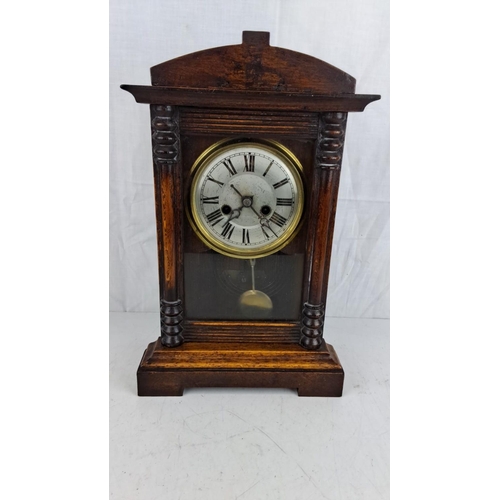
<point x="326" y="178"/>
<point x="168" y="195"/>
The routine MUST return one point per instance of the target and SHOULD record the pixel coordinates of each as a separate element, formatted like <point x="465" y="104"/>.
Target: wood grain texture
<point x="253" y="65"/>
<point x="167" y="372"/>
<point x="242" y="331"/>
<point x="168" y="189"/>
<point x="249" y="122"/>
<point x="326" y="180"/>
<point x="220" y="99"/>
<point x="245" y="355"/>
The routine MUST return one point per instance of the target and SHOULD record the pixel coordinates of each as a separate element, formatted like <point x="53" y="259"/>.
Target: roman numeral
<point x="216" y="182"/>
<point x="215" y="217"/>
<point x="227" y="163"/>
<point x="267" y="169"/>
<point x="278" y="219"/>
<point x="280" y="183"/>
<point x="210" y="199"/>
<point x="249" y="163"/>
<point x="284" y="202"/>
<point x="227" y="230"/>
<point x="245" y="237"/>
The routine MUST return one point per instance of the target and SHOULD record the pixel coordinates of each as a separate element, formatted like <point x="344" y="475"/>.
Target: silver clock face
<point x="247" y="197"/>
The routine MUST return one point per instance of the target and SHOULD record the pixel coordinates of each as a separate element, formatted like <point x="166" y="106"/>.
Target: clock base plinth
<point x="167" y="371"/>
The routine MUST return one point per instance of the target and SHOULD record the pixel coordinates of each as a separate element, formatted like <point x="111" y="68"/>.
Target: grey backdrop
<point x="352" y="35"/>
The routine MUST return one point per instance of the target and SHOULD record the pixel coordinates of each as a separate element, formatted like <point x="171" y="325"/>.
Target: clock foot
<point x="166" y="372"/>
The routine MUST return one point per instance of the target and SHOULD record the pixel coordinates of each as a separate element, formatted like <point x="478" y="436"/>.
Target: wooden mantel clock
<point x="247" y="149"/>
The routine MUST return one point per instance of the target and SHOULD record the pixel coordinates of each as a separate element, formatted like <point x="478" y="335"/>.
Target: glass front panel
<point x="220" y="288"/>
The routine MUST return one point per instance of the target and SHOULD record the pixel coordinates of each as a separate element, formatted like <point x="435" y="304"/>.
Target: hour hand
<point x="235" y="213"/>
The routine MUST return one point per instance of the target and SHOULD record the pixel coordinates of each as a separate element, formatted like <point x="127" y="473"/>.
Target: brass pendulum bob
<point x="254" y="303"/>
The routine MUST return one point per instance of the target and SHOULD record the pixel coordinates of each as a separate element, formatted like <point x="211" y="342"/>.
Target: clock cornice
<point x="252" y="74"/>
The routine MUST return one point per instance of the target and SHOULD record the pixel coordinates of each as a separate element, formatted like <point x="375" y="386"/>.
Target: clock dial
<point x="246" y="197"/>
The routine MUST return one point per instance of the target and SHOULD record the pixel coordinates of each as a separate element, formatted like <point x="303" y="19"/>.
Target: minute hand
<point x="256" y="213"/>
<point x="232" y="185"/>
<point x="264" y="222"/>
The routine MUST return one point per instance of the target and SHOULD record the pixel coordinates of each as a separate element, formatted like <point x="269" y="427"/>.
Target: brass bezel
<point x="296" y="170"/>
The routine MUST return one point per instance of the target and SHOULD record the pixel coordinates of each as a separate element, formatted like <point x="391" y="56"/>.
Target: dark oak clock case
<point x="251" y="90"/>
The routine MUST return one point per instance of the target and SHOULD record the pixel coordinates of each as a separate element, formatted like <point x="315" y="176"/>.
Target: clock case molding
<point x="250" y="90"/>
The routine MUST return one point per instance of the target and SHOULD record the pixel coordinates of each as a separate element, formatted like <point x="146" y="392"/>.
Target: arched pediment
<point x="253" y="65"/>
